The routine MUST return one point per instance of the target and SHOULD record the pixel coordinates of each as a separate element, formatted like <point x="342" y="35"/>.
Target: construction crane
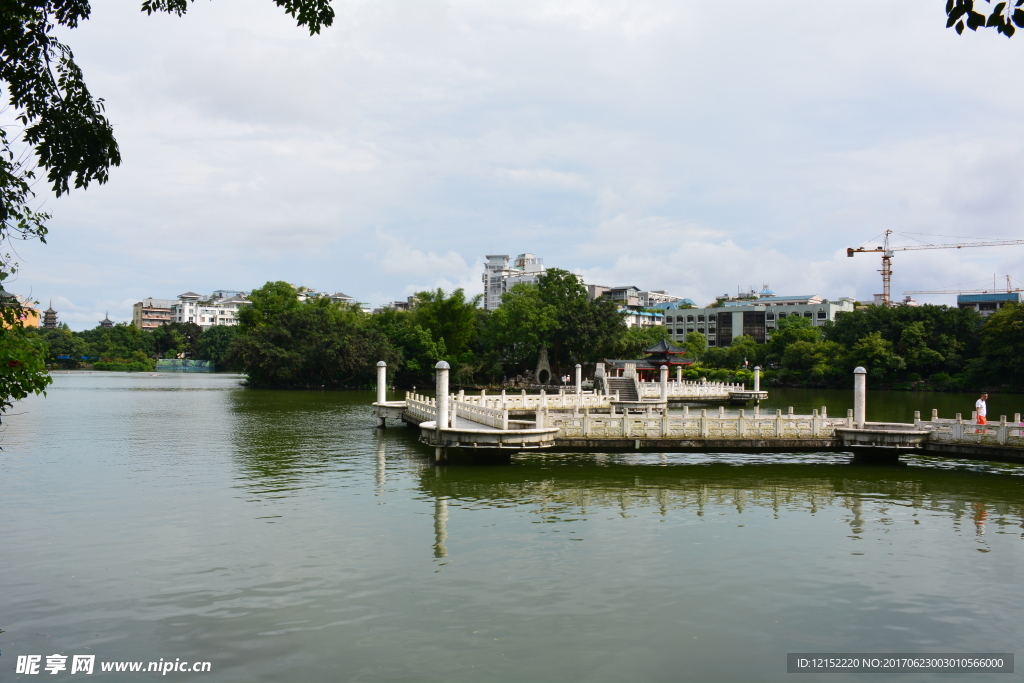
<point x="887" y="254"/>
<point x="1009" y="289"/>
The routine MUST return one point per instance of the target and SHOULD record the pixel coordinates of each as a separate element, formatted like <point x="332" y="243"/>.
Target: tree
<point x="877" y="356"/>
<point x="519" y="328"/>
<point x="448" y="318"/>
<point x="1002" y="347"/>
<point x="268" y="302"/>
<point x="22" y="357"/>
<point x="789" y="331"/>
<point x="587" y="330"/>
<point x="215" y="345"/>
<point x="745" y="352"/>
<point x="316" y="344"/>
<point x="417" y="348"/>
<point x="175" y="339"/>
<point x="635" y="339"/>
<point x="696" y="344"/>
<point x="1006" y="17"/>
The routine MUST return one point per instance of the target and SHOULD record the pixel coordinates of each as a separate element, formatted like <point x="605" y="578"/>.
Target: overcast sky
<point x="691" y="147"/>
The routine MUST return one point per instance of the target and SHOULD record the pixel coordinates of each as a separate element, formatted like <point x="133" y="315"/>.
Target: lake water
<point x="281" y="537"/>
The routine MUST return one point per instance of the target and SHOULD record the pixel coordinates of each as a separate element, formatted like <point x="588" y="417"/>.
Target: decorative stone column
<point x="441" y="390"/>
<point x="579" y="379"/>
<point x="382" y="390"/>
<point x="382" y="381"/>
<point x="757" y="378"/>
<point x="860" y="391"/>
<point x="664" y="384"/>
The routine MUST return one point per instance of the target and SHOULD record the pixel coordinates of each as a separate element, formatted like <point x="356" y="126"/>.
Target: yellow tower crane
<point x="887" y="254"/>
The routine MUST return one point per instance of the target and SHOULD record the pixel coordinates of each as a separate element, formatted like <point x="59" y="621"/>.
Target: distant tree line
<point x="281" y="341"/>
<point x="126" y="347"/>
<point x="904" y="347"/>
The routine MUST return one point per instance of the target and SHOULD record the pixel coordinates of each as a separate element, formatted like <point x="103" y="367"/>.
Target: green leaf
<point x="1018" y="17"/>
<point x="960" y="27"/>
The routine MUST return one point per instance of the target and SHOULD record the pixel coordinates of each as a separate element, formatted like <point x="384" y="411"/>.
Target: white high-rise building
<point x="501" y="274"/>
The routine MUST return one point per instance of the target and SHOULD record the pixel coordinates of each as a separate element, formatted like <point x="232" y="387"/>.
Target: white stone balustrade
<point x="959" y="430"/>
<point x="687" y="389"/>
<point x="715" y="425"/>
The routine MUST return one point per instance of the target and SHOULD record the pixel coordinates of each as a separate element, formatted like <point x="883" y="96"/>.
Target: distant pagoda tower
<point x="50" y="318"/>
<point x="107" y="322"/>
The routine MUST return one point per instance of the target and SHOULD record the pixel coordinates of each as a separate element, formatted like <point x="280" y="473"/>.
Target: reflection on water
<point x="281" y="536"/>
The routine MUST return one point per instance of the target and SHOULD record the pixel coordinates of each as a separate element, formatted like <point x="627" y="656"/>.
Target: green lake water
<point x="281" y="537"/>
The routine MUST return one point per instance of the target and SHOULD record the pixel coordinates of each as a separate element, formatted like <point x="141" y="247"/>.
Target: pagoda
<point x="107" y="322"/>
<point x="666" y="353"/>
<point x="50" y="318"/>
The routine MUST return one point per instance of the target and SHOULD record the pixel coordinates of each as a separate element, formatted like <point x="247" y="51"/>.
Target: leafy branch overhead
<point x="1005" y="17"/>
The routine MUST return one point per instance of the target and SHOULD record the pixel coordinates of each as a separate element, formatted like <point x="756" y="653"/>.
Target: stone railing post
<point x="664" y="383"/>
<point x="579" y="379"/>
<point x="382" y="381"/>
<point x="860" y="396"/>
<point x="441" y="390"/>
<point x="757" y="378"/>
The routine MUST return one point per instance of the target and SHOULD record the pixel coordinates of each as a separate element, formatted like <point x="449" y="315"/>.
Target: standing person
<point x="982" y="407"/>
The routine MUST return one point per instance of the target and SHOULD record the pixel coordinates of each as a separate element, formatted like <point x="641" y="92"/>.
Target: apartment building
<point x="150" y="313"/>
<point x="501" y="274"/>
<point x="757" y="318"/>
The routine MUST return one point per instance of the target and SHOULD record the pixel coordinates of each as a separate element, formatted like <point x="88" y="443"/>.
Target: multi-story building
<point x="150" y="313"/>
<point x="641" y="318"/>
<point x="988" y="303"/>
<point x="220" y="308"/>
<point x="757" y="318"/>
<point x="633" y="303"/>
<point x="660" y="296"/>
<point x="501" y="274"/>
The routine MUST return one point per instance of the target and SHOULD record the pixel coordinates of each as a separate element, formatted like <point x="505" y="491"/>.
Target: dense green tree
<point x="63" y="342"/>
<point x="587" y="330"/>
<point x="696" y="344"/>
<point x="1002" y="348"/>
<point x="951" y="333"/>
<point x="416" y="346"/>
<point x="172" y="340"/>
<point x="215" y="345"/>
<point x="789" y="331"/>
<point x="519" y="328"/>
<point x="316" y="344"/>
<point x="117" y="342"/>
<point x="877" y="356"/>
<point x="449" y="318"/>
<point x="635" y="339"/>
<point x="22" y="357"/>
<point x="268" y="302"/>
<point x="745" y="352"/>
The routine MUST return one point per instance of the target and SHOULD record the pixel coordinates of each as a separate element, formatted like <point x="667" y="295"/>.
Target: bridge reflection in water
<point x="671" y="486"/>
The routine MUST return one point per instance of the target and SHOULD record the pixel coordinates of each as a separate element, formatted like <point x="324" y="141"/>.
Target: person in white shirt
<point x="982" y="407"/>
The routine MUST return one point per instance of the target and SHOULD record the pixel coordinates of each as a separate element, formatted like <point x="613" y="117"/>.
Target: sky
<point x="691" y="147"/>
